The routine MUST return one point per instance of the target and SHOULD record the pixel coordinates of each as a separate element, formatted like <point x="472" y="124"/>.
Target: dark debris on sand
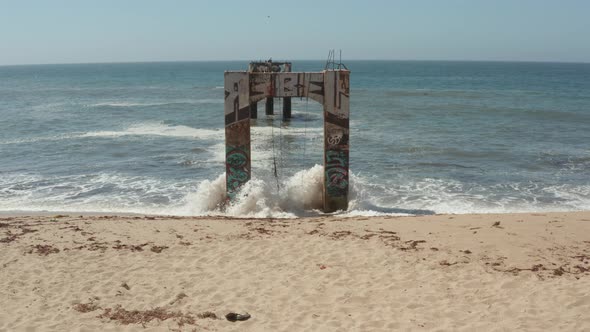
<point x="123" y="316"/>
<point x="207" y="314"/>
<point x="413" y="244"/>
<point x="158" y="249"/>
<point x="86" y="307"/>
<point x="542" y="271"/>
<point x="43" y="249"/>
<point x="132" y="247"/>
<point x="10" y="236"/>
<point x="126" y="317"/>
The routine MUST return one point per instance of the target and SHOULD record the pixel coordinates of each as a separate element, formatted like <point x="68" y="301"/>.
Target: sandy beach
<point x="492" y="272"/>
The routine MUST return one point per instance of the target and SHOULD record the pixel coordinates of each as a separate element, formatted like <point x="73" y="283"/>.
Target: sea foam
<point x="158" y="129"/>
<point x="139" y="129"/>
<point x="261" y="198"/>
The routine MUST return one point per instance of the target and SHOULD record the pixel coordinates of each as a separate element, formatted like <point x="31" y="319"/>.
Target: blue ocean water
<point x="426" y="137"/>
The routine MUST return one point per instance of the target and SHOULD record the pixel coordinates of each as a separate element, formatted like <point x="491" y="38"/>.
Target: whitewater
<point x="426" y="137"/>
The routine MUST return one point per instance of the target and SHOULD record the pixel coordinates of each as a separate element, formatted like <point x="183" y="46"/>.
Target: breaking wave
<point x="159" y="129"/>
<point x="162" y="103"/>
<point x="141" y="129"/>
<point x="265" y="196"/>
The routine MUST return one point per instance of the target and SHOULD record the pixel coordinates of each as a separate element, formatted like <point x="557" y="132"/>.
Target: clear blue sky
<point x="73" y="31"/>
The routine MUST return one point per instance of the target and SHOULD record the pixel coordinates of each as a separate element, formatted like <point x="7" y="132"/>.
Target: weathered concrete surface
<point x="237" y="131"/>
<point x="330" y="88"/>
<point x="336" y="140"/>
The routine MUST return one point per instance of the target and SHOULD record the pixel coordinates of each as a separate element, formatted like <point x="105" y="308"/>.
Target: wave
<point x="35" y="139"/>
<point x="262" y="134"/>
<point x="471" y="94"/>
<point x="159" y="129"/>
<point x="141" y="129"/>
<point x="162" y="103"/>
<point x="564" y="162"/>
<point x="298" y="195"/>
<point x="102" y="192"/>
<point x="476" y="93"/>
<point x="452" y="196"/>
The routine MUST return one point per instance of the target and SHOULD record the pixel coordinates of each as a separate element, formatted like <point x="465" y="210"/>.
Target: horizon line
<point x="292" y="60"/>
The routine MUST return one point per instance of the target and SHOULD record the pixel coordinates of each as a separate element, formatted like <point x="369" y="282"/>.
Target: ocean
<point x="426" y="137"/>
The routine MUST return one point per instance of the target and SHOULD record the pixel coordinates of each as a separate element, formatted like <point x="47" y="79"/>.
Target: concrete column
<point x="287" y="108"/>
<point x="254" y="110"/>
<point x="237" y="131"/>
<point x="336" y="139"/>
<point x="269" y="106"/>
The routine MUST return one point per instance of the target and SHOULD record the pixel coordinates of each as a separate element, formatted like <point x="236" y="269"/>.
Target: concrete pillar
<point x="287" y="108"/>
<point x="330" y="88"/>
<point x="237" y="131"/>
<point x="254" y="110"/>
<point x="336" y="139"/>
<point x="269" y="106"/>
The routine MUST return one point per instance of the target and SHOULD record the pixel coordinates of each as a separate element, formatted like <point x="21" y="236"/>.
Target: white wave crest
<point x="141" y="129"/>
<point x="258" y="198"/>
<point x="159" y="129"/>
<point x="156" y="103"/>
<point x="296" y="196"/>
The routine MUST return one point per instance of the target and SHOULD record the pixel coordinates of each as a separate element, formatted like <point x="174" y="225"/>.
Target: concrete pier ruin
<point x="270" y="67"/>
<point x="268" y="80"/>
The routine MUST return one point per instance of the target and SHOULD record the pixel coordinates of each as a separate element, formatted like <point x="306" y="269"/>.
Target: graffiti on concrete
<point x="237" y="167"/>
<point x="336" y="136"/>
<point x="337" y="172"/>
<point x="268" y="79"/>
<point x="236" y="107"/>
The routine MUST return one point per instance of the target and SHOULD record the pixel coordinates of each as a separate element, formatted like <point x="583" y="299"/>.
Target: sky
<point x="85" y="31"/>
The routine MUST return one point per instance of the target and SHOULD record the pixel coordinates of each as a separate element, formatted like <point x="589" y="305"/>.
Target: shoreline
<point x="49" y="213"/>
<point x="524" y="271"/>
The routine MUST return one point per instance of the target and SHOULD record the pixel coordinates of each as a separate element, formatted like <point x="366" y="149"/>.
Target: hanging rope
<point x="274" y="157"/>
<point x="281" y="163"/>
<point x="305" y="120"/>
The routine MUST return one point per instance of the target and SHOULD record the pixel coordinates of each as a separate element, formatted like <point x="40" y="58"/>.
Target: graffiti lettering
<point x="287" y="85"/>
<point x="334" y="136"/>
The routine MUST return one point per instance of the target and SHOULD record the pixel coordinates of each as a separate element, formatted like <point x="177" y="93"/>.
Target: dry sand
<point x="497" y="272"/>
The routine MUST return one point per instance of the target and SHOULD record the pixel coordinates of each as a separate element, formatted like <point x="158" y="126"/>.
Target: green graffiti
<point x="237" y="168"/>
<point x="337" y="173"/>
